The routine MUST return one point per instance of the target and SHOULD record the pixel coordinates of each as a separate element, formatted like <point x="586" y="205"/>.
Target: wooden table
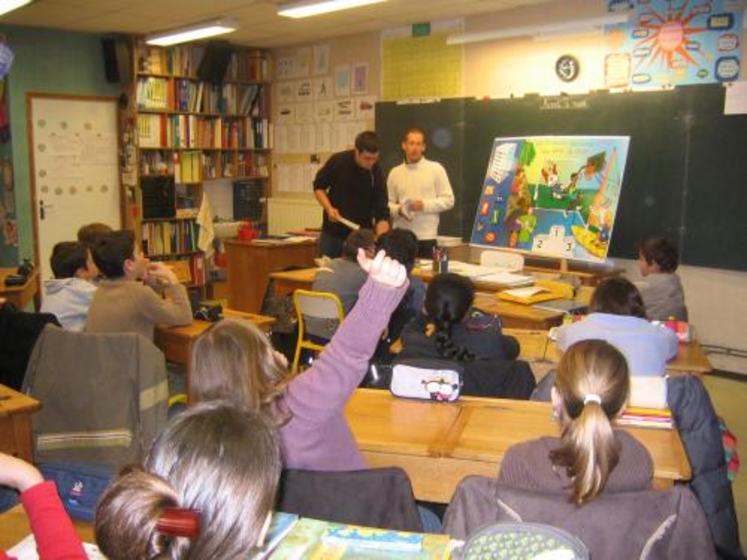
<point x="439" y="444"/>
<point x="250" y="264"/>
<point x="20" y="296"/>
<point x="15" y="527"/>
<point x="15" y="423"/>
<point x="287" y="281"/>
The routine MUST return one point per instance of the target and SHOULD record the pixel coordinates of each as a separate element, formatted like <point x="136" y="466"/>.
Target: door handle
<point x="42" y="209"/>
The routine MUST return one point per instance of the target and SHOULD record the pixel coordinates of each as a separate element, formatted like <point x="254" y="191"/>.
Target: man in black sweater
<point x="350" y="185"/>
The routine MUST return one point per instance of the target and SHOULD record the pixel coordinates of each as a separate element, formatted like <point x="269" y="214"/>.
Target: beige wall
<point x="717" y="298"/>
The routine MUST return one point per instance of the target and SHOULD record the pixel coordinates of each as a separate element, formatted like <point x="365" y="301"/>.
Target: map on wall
<point x="552" y="195"/>
<point x="674" y="42"/>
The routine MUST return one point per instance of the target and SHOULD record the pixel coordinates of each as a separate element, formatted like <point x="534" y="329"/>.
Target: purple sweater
<point x="318" y="437"/>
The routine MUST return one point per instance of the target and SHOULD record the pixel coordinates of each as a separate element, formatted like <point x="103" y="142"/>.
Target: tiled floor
<point x="729" y="398"/>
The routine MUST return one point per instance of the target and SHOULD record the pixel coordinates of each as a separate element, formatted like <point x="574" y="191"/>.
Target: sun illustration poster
<point x="552" y="195"/>
<point x="674" y="42"/>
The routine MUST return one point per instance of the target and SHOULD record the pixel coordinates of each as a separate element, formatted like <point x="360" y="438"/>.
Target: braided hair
<point x="447" y="301"/>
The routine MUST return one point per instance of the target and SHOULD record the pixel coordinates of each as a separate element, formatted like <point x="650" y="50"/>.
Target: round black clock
<point x="567" y="68"/>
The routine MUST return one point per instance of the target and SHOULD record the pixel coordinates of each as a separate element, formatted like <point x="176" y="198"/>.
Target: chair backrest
<point x="18" y="334"/>
<point x="502" y="259"/>
<point x="372" y="497"/>
<point x="647" y="525"/>
<point x="104" y="396"/>
<point x="320" y="305"/>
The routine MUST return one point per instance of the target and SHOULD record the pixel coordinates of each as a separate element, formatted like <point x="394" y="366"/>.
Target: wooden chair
<point x="319" y="305"/>
<point x="502" y="259"/>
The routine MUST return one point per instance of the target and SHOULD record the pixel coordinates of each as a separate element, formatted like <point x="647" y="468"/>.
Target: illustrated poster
<point x="552" y="195"/>
<point x="665" y="43"/>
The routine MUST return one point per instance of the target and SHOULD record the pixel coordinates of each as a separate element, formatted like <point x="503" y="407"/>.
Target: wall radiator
<point x="286" y="214"/>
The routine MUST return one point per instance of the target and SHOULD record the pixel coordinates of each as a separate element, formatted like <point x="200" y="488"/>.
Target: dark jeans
<point x="425" y="248"/>
<point x="330" y="245"/>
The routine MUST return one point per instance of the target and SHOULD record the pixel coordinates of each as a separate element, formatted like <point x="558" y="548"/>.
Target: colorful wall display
<point x="552" y="195"/>
<point x="674" y="42"/>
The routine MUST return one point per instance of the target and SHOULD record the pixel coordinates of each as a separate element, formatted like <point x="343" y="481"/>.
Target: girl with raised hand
<point x="207" y="490"/>
<point x="590" y="457"/>
<point x="236" y="361"/>
<point x="450" y="329"/>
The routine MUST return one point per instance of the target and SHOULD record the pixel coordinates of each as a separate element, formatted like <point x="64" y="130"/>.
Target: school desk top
<point x="438" y="444"/>
<point x="21" y="295"/>
<point x="15" y="422"/>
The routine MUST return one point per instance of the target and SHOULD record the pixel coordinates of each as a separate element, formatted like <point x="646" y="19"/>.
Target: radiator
<point x="287" y="214"/>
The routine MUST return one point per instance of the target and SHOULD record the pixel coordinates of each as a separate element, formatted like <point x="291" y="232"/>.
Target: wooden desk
<point x="15" y="527"/>
<point x="20" y="296"/>
<point x="439" y="444"/>
<point x="250" y="265"/>
<point x="287" y="281"/>
<point x="517" y="315"/>
<point x="15" y="423"/>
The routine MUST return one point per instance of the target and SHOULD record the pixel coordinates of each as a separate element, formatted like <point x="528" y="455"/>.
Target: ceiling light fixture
<point x="193" y="32"/>
<point x="553" y="29"/>
<point x="307" y="8"/>
<point x="10" y="5"/>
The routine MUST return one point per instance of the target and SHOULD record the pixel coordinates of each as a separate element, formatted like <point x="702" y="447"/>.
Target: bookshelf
<point x="185" y="130"/>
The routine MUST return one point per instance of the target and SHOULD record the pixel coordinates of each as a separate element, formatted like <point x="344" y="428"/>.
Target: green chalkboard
<point x="686" y="172"/>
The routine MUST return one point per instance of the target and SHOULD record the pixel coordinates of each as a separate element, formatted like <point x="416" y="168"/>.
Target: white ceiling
<point x="260" y="25"/>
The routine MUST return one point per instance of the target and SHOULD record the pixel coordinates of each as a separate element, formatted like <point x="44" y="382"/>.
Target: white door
<point x="74" y="168"/>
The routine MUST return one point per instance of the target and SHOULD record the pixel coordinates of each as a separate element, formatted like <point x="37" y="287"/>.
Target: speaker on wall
<point x="117" y="60"/>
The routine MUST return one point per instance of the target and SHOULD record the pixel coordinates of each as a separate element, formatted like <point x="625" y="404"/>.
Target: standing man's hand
<point x="415" y="205"/>
<point x="333" y="214"/>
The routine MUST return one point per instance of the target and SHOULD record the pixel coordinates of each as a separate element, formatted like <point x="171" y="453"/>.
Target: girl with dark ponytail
<point x="591" y="390"/>
<point x="450" y="329"/>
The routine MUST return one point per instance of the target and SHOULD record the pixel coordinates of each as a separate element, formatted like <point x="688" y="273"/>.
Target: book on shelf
<point x="168" y="237"/>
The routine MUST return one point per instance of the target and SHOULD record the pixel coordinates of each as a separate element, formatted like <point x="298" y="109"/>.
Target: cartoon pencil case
<point x="430" y="380"/>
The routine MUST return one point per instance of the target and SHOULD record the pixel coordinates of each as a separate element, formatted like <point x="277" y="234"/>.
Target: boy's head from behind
<point x="116" y="256"/>
<point x="90" y="233"/>
<point x="72" y="259"/>
<point x="657" y="254"/>
<point x="618" y="296"/>
<point x="400" y="245"/>
<point x="359" y="239"/>
<point x="221" y="462"/>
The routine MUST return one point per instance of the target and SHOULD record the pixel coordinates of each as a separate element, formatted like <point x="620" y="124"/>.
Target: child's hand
<point x="17" y="473"/>
<point x="159" y="273"/>
<point x="382" y="269"/>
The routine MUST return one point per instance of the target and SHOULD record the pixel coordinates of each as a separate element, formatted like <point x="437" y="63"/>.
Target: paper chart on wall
<point x="359" y="81"/>
<point x="365" y="108"/>
<point x="323" y="88"/>
<point x="416" y="67"/>
<point x="324" y="137"/>
<point x="286" y="114"/>
<point x="303" y="62"/>
<point x="303" y="90"/>
<point x="304" y="113"/>
<point x="321" y="60"/>
<point x="293" y="141"/>
<point x="324" y="111"/>
<point x="281" y="139"/>
<point x="344" y="110"/>
<point x="342" y="80"/>
<point x="286" y="92"/>
<point x="308" y="139"/>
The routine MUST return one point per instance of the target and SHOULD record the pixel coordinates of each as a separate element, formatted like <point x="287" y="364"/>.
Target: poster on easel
<point x="552" y="196"/>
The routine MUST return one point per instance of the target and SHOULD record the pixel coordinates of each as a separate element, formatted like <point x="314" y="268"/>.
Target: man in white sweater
<point x="419" y="190"/>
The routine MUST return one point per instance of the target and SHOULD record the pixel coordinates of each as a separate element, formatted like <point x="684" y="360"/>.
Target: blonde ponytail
<point x="593" y="383"/>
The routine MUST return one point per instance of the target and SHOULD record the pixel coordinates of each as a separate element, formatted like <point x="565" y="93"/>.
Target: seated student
<point x="235" y="361"/>
<point x="449" y="328"/>
<point x="402" y="245"/>
<point x="69" y="295"/>
<point x="661" y="288"/>
<point x="122" y="303"/>
<point x="590" y="457"/>
<point x="207" y="490"/>
<point x="343" y="277"/>
<point x="90" y="233"/>
<point x="618" y="316"/>
<point x="54" y="532"/>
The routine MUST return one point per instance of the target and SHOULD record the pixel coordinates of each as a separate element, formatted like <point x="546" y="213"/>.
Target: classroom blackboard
<point x="686" y="176"/>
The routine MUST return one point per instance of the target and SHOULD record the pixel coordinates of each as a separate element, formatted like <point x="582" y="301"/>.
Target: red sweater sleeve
<point x="55" y="535"/>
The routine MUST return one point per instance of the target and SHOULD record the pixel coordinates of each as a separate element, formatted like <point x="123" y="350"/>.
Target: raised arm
<point x="323" y="389"/>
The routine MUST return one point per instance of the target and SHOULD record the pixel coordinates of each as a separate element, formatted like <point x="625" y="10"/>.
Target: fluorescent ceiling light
<point x="563" y="28"/>
<point x="307" y="8"/>
<point x="193" y="32"/>
<point x="10" y="5"/>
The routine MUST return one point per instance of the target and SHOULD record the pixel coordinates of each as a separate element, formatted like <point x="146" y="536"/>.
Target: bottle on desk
<point x="440" y="260"/>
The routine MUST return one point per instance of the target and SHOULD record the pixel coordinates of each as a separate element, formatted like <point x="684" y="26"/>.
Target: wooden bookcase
<point x="179" y="126"/>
